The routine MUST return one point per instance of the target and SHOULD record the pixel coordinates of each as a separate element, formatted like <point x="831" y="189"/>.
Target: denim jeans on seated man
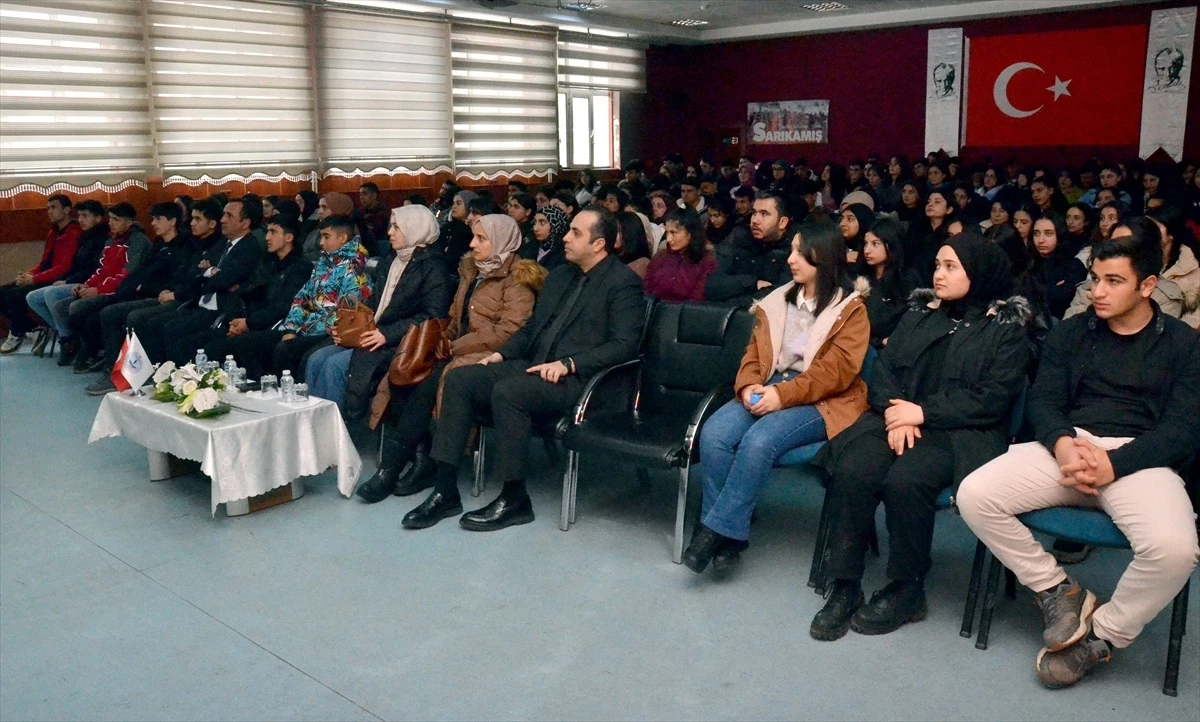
<point x="43" y="300"/>
<point x="738" y="451"/>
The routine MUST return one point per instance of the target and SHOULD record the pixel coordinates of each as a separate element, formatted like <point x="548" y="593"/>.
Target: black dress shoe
<point x="703" y="548"/>
<point x="833" y="621"/>
<point x="501" y="513"/>
<point x="419" y="475"/>
<point x="437" y="506"/>
<point x="890" y="608"/>
<point x="378" y="487"/>
<point x="729" y="555"/>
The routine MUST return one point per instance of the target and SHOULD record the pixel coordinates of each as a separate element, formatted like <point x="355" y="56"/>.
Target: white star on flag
<point x="1059" y="88"/>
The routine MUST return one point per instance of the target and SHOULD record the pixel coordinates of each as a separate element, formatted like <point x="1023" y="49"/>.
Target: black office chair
<point x="657" y="404"/>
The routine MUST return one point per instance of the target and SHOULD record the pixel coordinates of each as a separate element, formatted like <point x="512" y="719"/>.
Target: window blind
<point x="602" y="64"/>
<point x="231" y="86"/>
<point x="73" y="101"/>
<point x="505" y="99"/>
<point x="385" y="91"/>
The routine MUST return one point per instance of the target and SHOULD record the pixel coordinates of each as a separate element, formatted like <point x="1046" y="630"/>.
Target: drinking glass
<point x="269" y="385"/>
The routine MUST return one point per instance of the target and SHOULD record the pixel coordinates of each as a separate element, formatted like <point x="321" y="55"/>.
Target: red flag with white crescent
<point x="1069" y="88"/>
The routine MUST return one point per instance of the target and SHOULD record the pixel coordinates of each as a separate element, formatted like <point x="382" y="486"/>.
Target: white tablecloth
<point x="251" y="450"/>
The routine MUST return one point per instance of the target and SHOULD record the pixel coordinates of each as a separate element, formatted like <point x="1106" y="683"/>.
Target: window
<point x="231" y="85"/>
<point x="504" y="100"/>
<point x="600" y="64"/>
<point x="73" y="101"/>
<point x="587" y="132"/>
<point x="385" y="92"/>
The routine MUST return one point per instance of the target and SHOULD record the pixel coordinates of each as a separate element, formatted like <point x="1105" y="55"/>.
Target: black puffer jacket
<point x="154" y="275"/>
<point x="87" y="253"/>
<point x="981" y="377"/>
<point x="1050" y="283"/>
<point x="423" y="292"/>
<point x="741" y="263"/>
<point x="266" y="298"/>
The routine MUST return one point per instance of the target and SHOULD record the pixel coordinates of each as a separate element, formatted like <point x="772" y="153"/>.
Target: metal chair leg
<point x="989" y="604"/>
<point x="382" y="431"/>
<point x="574" y="488"/>
<point x="564" y="519"/>
<point x="816" y="571"/>
<point x="1175" y="644"/>
<point x="968" y="619"/>
<point x="680" y="509"/>
<point x="480" y="460"/>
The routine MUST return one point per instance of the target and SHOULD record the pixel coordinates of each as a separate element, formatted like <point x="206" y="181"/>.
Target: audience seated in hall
<point x="58" y="254"/>
<point x="753" y="269"/>
<point x="679" y="272"/>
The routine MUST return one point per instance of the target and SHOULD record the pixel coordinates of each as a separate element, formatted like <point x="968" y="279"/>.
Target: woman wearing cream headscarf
<point x="412" y="285"/>
<point x="495" y="296"/>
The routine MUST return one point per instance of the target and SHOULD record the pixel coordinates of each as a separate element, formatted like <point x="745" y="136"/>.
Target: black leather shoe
<point x="437" y="506"/>
<point x="833" y="621"/>
<point x="890" y="608"/>
<point x="418" y="476"/>
<point x="378" y="487"/>
<point x="500" y="514"/>
<point x="703" y="548"/>
<point x="729" y="555"/>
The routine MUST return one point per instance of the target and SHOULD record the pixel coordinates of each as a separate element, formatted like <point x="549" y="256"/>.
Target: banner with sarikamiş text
<point x="788" y="121"/>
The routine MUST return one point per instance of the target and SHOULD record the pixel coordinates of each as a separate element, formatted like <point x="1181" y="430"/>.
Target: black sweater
<point x="264" y="299"/>
<point x="1167" y="380"/>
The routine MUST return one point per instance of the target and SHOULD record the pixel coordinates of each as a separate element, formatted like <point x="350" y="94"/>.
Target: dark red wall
<point x="874" y="80"/>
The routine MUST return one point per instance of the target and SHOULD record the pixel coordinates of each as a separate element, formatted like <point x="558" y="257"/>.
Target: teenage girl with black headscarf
<point x="940" y="397"/>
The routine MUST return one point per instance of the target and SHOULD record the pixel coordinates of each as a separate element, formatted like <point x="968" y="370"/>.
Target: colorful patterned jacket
<point x="338" y="275"/>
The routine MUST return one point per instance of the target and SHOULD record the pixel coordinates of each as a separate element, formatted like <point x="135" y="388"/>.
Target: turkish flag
<point x="1076" y="87"/>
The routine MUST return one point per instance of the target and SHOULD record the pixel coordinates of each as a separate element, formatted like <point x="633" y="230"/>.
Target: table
<point x="254" y="454"/>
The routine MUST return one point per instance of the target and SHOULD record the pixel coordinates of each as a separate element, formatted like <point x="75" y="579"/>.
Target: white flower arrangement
<point x="194" y="392"/>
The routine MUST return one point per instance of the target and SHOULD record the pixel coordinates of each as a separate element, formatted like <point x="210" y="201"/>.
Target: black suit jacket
<point x="236" y="268"/>
<point x="604" y="326"/>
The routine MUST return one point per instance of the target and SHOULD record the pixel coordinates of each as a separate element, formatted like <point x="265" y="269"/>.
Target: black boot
<point x="702" y="549"/>
<point x="66" y="351"/>
<point x="420" y="473"/>
<point x="833" y="621"/>
<point x="890" y="608"/>
<point x="379" y="486"/>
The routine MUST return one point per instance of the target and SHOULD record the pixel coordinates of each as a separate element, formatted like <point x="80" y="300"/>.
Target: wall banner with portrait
<point x="784" y="122"/>
<point x="944" y="76"/>
<point x="1168" y="75"/>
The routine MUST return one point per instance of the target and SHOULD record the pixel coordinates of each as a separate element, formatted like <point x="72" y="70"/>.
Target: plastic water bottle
<point x="287" y="387"/>
<point x="201" y="360"/>
<point x="230" y="365"/>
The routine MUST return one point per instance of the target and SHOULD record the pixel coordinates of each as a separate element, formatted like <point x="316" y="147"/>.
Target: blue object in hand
<point x="755" y="398"/>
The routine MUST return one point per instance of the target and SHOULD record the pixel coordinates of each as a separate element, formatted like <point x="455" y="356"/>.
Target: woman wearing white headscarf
<point x="495" y="296"/>
<point x="412" y="285"/>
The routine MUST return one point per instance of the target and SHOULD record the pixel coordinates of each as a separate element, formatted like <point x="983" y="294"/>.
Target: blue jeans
<point x="738" y="450"/>
<point x="326" y="373"/>
<point x="42" y="301"/>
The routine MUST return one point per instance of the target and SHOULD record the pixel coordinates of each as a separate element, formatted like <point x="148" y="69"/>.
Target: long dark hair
<point x="1009" y="241"/>
<point x="823" y="247"/>
<point x="690" y="220"/>
<point x="891" y="234"/>
<point x="1062" y="247"/>
<point x="724" y="206"/>
<point x="633" y="237"/>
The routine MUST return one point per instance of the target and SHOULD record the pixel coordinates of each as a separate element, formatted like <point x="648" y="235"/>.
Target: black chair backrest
<point x="690" y="349"/>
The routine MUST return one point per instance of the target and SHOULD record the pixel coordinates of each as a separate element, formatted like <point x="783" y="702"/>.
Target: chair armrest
<point x="715" y="399"/>
<point x="604" y="387"/>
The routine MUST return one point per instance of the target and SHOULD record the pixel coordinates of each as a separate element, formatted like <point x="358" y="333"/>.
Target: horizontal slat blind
<point x="602" y="64"/>
<point x="385" y="91"/>
<point x="505" y="99"/>
<point x="232" y="91"/>
<point x="73" y="102"/>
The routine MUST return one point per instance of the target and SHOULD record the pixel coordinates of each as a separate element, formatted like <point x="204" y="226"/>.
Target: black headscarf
<point x="986" y="266"/>
<point x="866" y="219"/>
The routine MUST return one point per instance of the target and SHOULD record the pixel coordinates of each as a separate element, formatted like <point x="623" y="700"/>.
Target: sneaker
<point x="1066" y="667"/>
<point x="12" y="343"/>
<point x="833" y="621"/>
<point x="101" y="387"/>
<point x="1066" y="614"/>
<point x="1066" y="552"/>
<point x="890" y="608"/>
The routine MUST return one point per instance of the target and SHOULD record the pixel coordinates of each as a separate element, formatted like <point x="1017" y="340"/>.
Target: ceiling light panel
<point x="826" y="7"/>
<point x="688" y="23"/>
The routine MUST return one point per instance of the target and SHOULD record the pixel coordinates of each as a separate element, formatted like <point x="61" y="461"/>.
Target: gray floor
<point x="123" y="599"/>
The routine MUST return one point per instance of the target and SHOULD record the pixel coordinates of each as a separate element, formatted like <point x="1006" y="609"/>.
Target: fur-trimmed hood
<point x="523" y="271"/>
<point x="1014" y="309"/>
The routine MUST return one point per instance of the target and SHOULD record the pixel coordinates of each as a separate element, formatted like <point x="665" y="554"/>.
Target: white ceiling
<point x="648" y="20"/>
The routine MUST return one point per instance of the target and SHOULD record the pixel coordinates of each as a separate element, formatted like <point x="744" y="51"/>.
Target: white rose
<point x="163" y="371"/>
<point x="205" y="399"/>
<point x="189" y="387"/>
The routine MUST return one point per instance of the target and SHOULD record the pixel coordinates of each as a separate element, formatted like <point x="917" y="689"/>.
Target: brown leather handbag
<point x="354" y="319"/>
<point x="423" y="346"/>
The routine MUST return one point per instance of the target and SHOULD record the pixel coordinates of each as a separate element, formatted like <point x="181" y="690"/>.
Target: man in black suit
<point x="587" y="318"/>
<point x="224" y="268"/>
